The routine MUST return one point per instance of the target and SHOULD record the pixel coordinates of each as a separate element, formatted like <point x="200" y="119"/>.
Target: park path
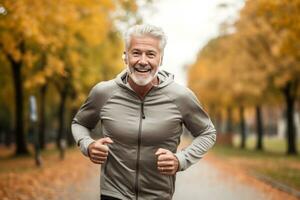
<point x="203" y="180"/>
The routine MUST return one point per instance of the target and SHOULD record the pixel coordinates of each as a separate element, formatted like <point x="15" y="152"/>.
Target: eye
<point x="151" y="55"/>
<point x="135" y="53"/>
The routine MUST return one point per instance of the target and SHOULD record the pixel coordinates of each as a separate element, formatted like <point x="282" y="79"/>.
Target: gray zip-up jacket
<point x="139" y="127"/>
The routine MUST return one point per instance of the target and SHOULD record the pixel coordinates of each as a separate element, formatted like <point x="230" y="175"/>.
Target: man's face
<point x="143" y="59"/>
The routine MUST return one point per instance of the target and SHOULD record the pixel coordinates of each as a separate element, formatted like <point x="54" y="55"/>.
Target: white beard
<point x="141" y="81"/>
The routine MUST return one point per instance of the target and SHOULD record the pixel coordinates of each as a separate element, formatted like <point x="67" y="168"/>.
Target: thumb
<point x="161" y="151"/>
<point x="107" y="140"/>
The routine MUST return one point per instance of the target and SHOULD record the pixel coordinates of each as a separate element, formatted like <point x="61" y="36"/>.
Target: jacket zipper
<point x="142" y="116"/>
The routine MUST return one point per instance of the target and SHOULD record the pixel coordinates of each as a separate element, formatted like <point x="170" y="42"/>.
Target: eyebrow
<point x="151" y="51"/>
<point x="148" y="51"/>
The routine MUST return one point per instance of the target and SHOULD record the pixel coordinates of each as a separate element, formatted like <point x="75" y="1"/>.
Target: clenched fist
<point x="98" y="150"/>
<point x="167" y="162"/>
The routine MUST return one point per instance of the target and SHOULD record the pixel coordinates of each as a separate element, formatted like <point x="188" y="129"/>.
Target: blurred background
<point x="240" y="57"/>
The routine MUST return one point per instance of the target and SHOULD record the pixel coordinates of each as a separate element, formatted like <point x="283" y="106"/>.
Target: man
<point x="142" y="112"/>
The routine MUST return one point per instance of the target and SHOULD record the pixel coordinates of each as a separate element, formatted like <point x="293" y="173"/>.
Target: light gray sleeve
<point x="82" y="137"/>
<point x="199" y="124"/>
<point x="86" y="119"/>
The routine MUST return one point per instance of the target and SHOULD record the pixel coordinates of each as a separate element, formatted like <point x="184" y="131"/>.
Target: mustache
<point x="141" y="67"/>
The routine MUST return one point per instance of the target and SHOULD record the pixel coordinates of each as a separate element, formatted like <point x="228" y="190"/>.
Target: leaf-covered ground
<point x="20" y="179"/>
<point x="77" y="178"/>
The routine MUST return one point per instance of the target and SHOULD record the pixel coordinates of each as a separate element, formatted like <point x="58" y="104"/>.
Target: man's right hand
<point x="98" y="150"/>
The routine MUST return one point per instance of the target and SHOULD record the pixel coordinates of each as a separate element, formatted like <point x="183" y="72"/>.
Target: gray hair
<point x="146" y="30"/>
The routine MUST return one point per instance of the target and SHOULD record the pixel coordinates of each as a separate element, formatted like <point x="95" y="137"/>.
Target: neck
<point x="142" y="90"/>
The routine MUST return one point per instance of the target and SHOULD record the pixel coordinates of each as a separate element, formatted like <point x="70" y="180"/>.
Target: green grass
<point x="271" y="144"/>
<point x="228" y="152"/>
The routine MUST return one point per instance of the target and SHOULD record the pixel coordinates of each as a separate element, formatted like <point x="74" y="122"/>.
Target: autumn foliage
<point x="56" y="51"/>
<point x="256" y="64"/>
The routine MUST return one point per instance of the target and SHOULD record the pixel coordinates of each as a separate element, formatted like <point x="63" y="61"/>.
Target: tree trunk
<point x="229" y="125"/>
<point x="42" y="113"/>
<point x="218" y="121"/>
<point x="60" y="140"/>
<point x="21" y="147"/>
<point x="6" y="127"/>
<point x="290" y="109"/>
<point x="8" y="138"/>
<point x="242" y="128"/>
<point x="259" y="129"/>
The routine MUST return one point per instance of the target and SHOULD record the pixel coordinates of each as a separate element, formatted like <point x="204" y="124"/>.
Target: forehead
<point x="144" y="43"/>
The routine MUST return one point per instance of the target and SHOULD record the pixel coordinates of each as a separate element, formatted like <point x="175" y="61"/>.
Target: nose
<point x="143" y="60"/>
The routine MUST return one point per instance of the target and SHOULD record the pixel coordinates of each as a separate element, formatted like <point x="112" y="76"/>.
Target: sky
<point x="189" y="25"/>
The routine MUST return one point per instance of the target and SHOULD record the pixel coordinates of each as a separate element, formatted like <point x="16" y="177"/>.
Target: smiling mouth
<point x="142" y="70"/>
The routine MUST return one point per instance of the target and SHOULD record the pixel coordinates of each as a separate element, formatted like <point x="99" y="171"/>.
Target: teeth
<point x="142" y="70"/>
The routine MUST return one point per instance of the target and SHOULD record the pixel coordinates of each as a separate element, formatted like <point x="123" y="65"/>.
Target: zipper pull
<point x="142" y="108"/>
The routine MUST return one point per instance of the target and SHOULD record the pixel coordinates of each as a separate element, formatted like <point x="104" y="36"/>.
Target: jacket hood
<point x="165" y="78"/>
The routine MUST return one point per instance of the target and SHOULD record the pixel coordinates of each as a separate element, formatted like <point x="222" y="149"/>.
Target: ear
<point x="161" y="60"/>
<point x="124" y="57"/>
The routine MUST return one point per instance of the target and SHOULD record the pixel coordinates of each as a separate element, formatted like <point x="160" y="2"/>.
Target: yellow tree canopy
<point x="247" y="66"/>
<point x="74" y="39"/>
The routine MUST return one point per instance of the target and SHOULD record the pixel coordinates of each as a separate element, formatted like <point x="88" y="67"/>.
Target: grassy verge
<point x="272" y="162"/>
<point x="271" y="144"/>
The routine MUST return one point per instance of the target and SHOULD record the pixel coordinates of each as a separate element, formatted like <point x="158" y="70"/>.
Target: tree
<point x="256" y="61"/>
<point x="277" y="33"/>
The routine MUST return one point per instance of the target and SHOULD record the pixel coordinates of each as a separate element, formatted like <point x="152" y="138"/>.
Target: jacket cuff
<point x="182" y="161"/>
<point x="84" y="144"/>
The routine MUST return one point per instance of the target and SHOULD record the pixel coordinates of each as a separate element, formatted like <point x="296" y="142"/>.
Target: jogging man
<point x="142" y="113"/>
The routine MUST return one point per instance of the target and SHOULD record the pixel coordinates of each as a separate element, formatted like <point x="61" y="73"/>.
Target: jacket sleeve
<point x="199" y="124"/>
<point x="86" y="119"/>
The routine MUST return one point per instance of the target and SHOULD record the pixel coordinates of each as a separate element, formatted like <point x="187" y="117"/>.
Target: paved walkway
<point x="201" y="181"/>
<point x="204" y="181"/>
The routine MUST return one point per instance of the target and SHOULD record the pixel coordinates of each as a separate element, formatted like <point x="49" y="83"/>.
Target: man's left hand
<point x="167" y="162"/>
